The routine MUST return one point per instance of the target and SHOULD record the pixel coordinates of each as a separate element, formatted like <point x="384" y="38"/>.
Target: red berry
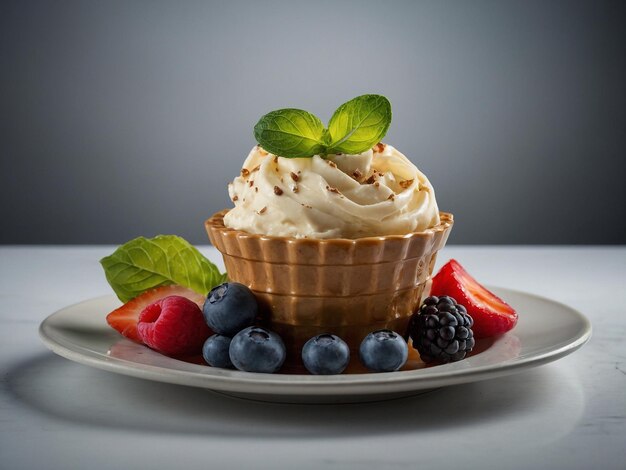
<point x="173" y="326"/>
<point x="492" y="315"/>
<point x="124" y="319"/>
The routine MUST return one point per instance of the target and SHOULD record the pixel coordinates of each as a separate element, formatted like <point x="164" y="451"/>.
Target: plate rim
<point x="226" y="380"/>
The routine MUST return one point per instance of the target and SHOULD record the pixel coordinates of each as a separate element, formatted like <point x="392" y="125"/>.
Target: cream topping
<point x="378" y="192"/>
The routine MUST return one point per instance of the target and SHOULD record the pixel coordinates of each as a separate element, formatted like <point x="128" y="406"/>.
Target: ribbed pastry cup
<point x="348" y="287"/>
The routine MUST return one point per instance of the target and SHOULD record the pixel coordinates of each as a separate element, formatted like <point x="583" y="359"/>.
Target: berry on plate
<point x="173" y="326"/>
<point x="383" y="351"/>
<point x="325" y="354"/>
<point x="256" y="349"/>
<point x="215" y="351"/>
<point x="229" y="308"/>
<point x="492" y="315"/>
<point x="124" y="319"/>
<point x="442" y="330"/>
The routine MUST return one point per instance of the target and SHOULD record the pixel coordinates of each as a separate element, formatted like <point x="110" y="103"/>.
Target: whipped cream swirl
<point x="378" y="192"/>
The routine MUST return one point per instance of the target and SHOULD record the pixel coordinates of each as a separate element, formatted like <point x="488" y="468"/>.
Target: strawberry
<point x="125" y="318"/>
<point x="492" y="315"/>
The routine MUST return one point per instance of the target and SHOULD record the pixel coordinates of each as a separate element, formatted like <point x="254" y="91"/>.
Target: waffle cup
<point x="346" y="287"/>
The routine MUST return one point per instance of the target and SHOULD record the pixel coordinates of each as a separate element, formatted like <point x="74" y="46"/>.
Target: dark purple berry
<point x="441" y="330"/>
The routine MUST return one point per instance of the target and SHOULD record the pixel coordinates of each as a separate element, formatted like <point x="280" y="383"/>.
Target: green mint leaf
<point x="290" y="133"/>
<point x="145" y="263"/>
<point x="359" y="124"/>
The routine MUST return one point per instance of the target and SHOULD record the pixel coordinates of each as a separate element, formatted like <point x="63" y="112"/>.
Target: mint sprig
<point x="146" y="263"/>
<point x="354" y="127"/>
<point x="359" y="124"/>
<point x="290" y="133"/>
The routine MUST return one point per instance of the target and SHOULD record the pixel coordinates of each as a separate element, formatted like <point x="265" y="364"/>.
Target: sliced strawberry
<point x="492" y="315"/>
<point x="124" y="319"/>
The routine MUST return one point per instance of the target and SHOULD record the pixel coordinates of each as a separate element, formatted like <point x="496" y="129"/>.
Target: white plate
<point x="546" y="331"/>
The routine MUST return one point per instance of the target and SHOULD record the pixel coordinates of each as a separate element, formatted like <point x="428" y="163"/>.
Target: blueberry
<point x="383" y="351"/>
<point x="229" y="308"/>
<point x="215" y="351"/>
<point x="325" y="354"/>
<point x="256" y="349"/>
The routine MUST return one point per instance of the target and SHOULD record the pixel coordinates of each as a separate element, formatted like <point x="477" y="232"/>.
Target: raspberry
<point x="173" y="326"/>
<point x="442" y="330"/>
<point x="124" y="319"/>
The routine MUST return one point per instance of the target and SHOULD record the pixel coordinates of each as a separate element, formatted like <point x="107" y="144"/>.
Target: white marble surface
<point x="571" y="414"/>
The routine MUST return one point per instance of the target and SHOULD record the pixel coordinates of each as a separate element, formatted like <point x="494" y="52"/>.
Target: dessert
<point x="329" y="250"/>
<point x="341" y="240"/>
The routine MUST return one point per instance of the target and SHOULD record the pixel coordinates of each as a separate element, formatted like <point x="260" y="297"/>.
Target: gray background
<point x="121" y="119"/>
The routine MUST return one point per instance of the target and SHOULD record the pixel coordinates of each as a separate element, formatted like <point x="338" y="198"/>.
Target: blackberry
<point x="442" y="330"/>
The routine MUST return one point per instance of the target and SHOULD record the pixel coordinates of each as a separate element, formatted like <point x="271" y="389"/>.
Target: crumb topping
<point x="262" y="211"/>
<point x="277" y="191"/>
<point x="379" y="147"/>
<point x="294" y="176"/>
<point x="332" y="190"/>
<point x="245" y="172"/>
<point x="356" y="174"/>
<point x="371" y="179"/>
<point x="235" y="198"/>
<point x="406" y="183"/>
